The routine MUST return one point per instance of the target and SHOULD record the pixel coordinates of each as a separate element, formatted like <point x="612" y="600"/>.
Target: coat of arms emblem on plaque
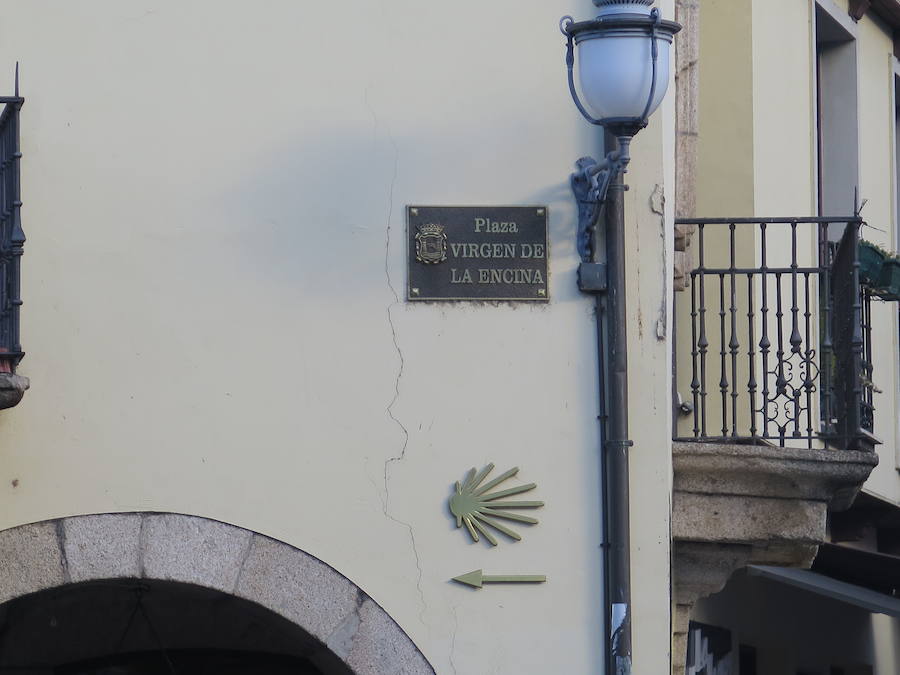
<point x="431" y="244"/>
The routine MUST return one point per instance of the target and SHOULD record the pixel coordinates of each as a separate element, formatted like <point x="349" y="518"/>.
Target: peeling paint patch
<point x="658" y="206"/>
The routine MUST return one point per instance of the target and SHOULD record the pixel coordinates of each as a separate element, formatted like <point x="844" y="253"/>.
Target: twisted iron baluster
<point x="780" y="379"/>
<point x="795" y="340"/>
<point x="808" y="385"/>
<point x="734" y="344"/>
<point x="695" y="381"/>
<point x="764" y="342"/>
<point x="703" y="342"/>
<point x="751" y="382"/>
<point x="868" y="404"/>
<point x="723" y="379"/>
<point x="827" y="341"/>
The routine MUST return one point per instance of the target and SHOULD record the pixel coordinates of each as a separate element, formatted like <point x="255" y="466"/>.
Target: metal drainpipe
<point x="614" y="406"/>
<point x="600" y="308"/>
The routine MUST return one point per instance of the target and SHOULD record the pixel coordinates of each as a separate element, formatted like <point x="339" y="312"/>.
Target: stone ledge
<point x="832" y="476"/>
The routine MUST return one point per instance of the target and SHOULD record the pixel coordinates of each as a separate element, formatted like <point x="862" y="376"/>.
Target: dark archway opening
<point x="141" y="627"/>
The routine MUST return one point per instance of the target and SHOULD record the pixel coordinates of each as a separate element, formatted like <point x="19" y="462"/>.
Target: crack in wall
<point x="453" y="639"/>
<point x="385" y="496"/>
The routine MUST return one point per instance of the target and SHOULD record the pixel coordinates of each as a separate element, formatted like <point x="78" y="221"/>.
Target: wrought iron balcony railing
<point x="12" y="238"/>
<point x="779" y="333"/>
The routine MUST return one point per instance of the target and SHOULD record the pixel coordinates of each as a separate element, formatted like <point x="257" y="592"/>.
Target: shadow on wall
<point x="314" y="213"/>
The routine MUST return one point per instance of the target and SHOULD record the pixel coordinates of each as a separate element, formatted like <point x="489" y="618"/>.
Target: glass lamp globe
<point x="616" y="59"/>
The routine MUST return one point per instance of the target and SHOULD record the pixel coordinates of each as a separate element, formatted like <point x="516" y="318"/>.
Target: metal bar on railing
<point x="796" y="341"/>
<point x="751" y="356"/>
<point x="867" y="421"/>
<point x="764" y="343"/>
<point x="702" y="341"/>
<point x="808" y="360"/>
<point x="734" y="344"/>
<point x="723" y="378"/>
<point x="695" y="373"/>
<point x="826" y="348"/>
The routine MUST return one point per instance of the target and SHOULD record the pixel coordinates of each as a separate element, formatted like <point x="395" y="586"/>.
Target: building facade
<point x="243" y="430"/>
<point x="222" y="355"/>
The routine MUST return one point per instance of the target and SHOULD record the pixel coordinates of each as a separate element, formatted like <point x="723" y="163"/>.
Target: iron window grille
<point x="780" y="333"/>
<point x="12" y="237"/>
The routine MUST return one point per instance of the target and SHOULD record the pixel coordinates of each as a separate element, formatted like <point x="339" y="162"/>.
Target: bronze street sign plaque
<point x="477" y="253"/>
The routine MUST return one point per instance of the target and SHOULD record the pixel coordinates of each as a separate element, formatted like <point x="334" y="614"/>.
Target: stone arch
<point x="214" y="555"/>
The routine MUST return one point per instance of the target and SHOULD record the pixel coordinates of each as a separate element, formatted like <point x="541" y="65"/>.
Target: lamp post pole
<point x="616" y="443"/>
<point x="618" y="50"/>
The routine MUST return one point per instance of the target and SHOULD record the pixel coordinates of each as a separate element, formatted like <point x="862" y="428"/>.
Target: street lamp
<point x="624" y="72"/>
<point x="623" y="68"/>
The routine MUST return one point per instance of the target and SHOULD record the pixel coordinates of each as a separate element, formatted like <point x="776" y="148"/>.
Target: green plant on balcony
<point x="879" y="270"/>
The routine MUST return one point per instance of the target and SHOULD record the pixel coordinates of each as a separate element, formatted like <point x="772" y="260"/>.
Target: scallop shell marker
<point x="477" y="508"/>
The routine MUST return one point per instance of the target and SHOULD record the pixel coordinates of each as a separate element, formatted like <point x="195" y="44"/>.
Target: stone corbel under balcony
<point x="739" y="505"/>
<point x="12" y="389"/>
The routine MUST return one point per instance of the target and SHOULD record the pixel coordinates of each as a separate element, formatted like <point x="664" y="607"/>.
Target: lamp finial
<point x="611" y="7"/>
<point x="604" y="3"/>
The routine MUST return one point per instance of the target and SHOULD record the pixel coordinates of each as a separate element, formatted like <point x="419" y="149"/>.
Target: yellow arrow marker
<point x="476" y="578"/>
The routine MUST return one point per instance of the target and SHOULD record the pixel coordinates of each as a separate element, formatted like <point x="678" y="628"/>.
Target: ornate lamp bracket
<point x="590" y="184"/>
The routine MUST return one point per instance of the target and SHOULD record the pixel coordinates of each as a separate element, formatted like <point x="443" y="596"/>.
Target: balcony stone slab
<point x="738" y="505"/>
<point x="830" y="476"/>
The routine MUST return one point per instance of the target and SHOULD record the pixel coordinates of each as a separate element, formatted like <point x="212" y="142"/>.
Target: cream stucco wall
<point x="725" y="152"/>
<point x="214" y="317"/>
<point x="783" y="112"/>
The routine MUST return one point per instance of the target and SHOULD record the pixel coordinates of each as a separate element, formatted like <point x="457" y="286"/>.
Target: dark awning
<point x="813" y="582"/>
<point x="889" y="10"/>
